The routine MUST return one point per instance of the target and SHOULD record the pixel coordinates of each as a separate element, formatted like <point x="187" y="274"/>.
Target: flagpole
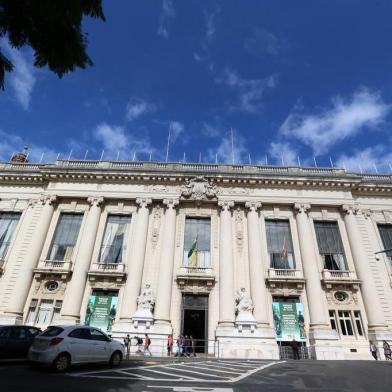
<point x="232" y="146"/>
<point x="168" y="142"/>
<point x="315" y="162"/>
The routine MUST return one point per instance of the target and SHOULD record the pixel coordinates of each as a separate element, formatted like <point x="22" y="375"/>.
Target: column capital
<point x="225" y="205"/>
<point x="48" y="199"/>
<point x="96" y="201"/>
<point x="253" y="205"/>
<point x="349" y="209"/>
<point x="171" y="203"/>
<point x="301" y="208"/>
<point x="143" y="202"/>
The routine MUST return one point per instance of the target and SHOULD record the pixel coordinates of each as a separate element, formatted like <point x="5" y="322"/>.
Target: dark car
<point x="15" y="340"/>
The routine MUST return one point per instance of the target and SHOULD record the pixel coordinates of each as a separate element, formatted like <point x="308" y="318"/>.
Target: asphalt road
<point x="204" y="375"/>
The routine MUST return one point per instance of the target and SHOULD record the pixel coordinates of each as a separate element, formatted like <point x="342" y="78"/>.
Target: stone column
<point x="368" y="288"/>
<point x="23" y="282"/>
<point x="310" y="261"/>
<point x="75" y="288"/>
<point x="166" y="264"/>
<point x="258" y="288"/>
<point x="136" y="263"/>
<point x="226" y="266"/>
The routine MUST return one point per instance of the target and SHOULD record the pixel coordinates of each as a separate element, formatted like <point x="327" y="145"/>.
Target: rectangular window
<point x="197" y="243"/>
<point x="56" y="311"/>
<point x="8" y="222"/>
<point x="31" y="312"/>
<point x="345" y="322"/>
<point x="280" y="247"/>
<point x="115" y="239"/>
<point x="358" y="322"/>
<point x="65" y="238"/>
<point x="330" y="245"/>
<point x="332" y="320"/>
<point x="44" y="312"/>
<point x="386" y="237"/>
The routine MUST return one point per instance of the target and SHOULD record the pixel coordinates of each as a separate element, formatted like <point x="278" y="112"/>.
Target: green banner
<point x="289" y="321"/>
<point x="101" y="311"/>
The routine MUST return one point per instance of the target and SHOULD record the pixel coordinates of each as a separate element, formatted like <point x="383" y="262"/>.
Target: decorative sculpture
<point x="244" y="303"/>
<point x="146" y="300"/>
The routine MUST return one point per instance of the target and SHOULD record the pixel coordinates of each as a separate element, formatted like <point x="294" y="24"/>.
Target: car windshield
<point x="52" y="331"/>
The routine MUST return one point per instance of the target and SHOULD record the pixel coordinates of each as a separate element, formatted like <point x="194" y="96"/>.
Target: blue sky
<point x="292" y="79"/>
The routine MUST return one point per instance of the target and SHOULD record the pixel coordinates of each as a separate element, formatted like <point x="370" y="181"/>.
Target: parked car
<point x="62" y="346"/>
<point x="15" y="340"/>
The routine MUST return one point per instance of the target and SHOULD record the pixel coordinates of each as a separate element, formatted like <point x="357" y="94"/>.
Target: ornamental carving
<point x="243" y="301"/>
<point x="239" y="229"/>
<point x="155" y="226"/>
<point x="146" y="300"/>
<point x="350" y="209"/>
<point x="199" y="188"/>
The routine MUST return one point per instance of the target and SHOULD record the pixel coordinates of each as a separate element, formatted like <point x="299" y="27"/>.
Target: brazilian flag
<point x="192" y="254"/>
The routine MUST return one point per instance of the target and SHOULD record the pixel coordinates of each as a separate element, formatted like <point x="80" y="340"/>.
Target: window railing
<point x="108" y="267"/>
<point x="335" y="274"/>
<point x="196" y="270"/>
<point x="55" y="264"/>
<point x="203" y="260"/>
<point x="285" y="273"/>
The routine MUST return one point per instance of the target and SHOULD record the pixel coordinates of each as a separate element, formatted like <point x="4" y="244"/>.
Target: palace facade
<point x="244" y="258"/>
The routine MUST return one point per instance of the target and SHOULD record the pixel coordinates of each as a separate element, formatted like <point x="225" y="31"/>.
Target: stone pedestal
<point x="142" y="319"/>
<point x="245" y="321"/>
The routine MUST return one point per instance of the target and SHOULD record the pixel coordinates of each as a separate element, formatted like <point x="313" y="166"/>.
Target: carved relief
<point x="349" y="209"/>
<point x="156" y="222"/>
<point x="96" y="201"/>
<point x="239" y="232"/>
<point x="301" y="208"/>
<point x="234" y="191"/>
<point x="199" y="188"/>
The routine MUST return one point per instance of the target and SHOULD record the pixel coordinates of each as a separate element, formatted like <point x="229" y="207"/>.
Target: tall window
<point x="386" y="237"/>
<point x="280" y="247"/>
<point x="65" y="238"/>
<point x="115" y="239"/>
<point x="197" y="242"/>
<point x="330" y="245"/>
<point x="346" y="326"/>
<point x="8" y="222"/>
<point x="43" y="312"/>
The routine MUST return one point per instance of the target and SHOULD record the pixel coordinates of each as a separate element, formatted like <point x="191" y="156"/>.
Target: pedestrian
<point x="373" y="349"/>
<point x="187" y="346"/>
<point x="182" y="345"/>
<point x="387" y="350"/>
<point x="178" y="349"/>
<point x="170" y="345"/>
<point x="127" y="344"/>
<point x="147" y="343"/>
<point x="295" y="347"/>
<point x="193" y="346"/>
<point x="139" y="343"/>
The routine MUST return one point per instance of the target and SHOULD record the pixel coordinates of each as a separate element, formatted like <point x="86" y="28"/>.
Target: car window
<point x="33" y="332"/>
<point x="98" y="335"/>
<point x="18" y="333"/>
<point x="80" y="333"/>
<point x="52" y="331"/>
<point x="5" y="332"/>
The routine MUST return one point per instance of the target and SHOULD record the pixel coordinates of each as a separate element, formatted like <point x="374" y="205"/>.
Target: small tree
<point x="52" y="28"/>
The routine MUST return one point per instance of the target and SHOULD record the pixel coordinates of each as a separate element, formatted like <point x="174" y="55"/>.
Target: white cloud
<point x="378" y="156"/>
<point x="22" y="78"/>
<point x="285" y="151"/>
<point x="175" y="131"/>
<point x="136" y="107"/>
<point x="211" y="131"/>
<point x="265" y="42"/>
<point x="224" y="152"/>
<point x="11" y="143"/>
<point x="115" y="139"/>
<point x="210" y="21"/>
<point x="250" y="91"/>
<point x="344" y="119"/>
<point x="167" y="15"/>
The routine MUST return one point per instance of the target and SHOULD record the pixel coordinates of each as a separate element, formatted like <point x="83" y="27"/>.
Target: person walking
<point x="178" y="349"/>
<point x="373" y="350"/>
<point x="170" y="345"/>
<point x="139" y="343"/>
<point x="147" y="343"/>
<point x="127" y="344"/>
<point x="187" y="346"/>
<point x="295" y="347"/>
<point x="387" y="350"/>
<point x="193" y="346"/>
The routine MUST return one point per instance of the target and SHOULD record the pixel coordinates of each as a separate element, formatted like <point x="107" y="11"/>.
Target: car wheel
<point x="61" y="363"/>
<point x="115" y="359"/>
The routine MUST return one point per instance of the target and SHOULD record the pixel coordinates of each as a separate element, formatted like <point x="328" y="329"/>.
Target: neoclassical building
<point x="244" y="258"/>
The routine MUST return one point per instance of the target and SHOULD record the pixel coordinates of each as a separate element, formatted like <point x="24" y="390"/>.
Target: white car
<point x="60" y="346"/>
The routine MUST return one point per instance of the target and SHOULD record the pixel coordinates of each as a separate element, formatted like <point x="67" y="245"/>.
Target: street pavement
<point x="209" y="375"/>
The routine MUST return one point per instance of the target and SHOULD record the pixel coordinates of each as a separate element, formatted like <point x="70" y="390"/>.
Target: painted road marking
<point x="192" y="389"/>
<point x="207" y="371"/>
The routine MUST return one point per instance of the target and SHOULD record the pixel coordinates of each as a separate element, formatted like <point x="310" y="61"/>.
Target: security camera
<point x="377" y="258"/>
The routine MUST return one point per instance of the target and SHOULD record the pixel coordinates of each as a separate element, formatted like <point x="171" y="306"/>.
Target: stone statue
<point x="146" y="300"/>
<point x="244" y="303"/>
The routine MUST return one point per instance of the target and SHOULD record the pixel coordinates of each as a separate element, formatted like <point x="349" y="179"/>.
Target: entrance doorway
<point x="195" y="320"/>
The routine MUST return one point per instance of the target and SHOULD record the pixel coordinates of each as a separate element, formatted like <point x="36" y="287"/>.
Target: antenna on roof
<point x="150" y="155"/>
<point x="390" y="167"/>
<point x="250" y="160"/>
<point x="315" y="162"/>
<point x="69" y="156"/>
<point x="216" y="158"/>
<point x="199" y="157"/>
<point x="360" y="168"/>
<point x="118" y="155"/>
<point x="103" y="151"/>
<point x="266" y="159"/>
<point x="58" y="157"/>
<point x="299" y="161"/>
<point x="85" y="155"/>
<point x="134" y="156"/>
<point x="183" y="159"/>
<point x="168" y="142"/>
<point x="375" y="167"/>
<point x="42" y="157"/>
<point x="330" y="159"/>
<point x="281" y="156"/>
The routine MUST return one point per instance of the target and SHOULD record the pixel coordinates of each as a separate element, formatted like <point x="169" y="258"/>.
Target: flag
<point x="192" y="254"/>
<point x="283" y="253"/>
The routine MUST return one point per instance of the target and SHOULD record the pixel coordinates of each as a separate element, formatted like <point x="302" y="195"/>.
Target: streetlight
<point x="382" y="251"/>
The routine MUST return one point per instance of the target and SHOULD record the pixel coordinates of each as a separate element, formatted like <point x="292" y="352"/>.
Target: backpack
<point x="148" y="341"/>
